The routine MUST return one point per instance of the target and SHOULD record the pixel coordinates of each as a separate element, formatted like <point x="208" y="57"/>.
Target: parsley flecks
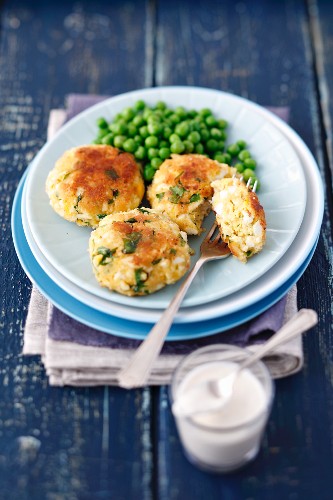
<point x="79" y="198"/>
<point x="173" y="251"/>
<point x="176" y="193"/>
<point x="156" y="261"/>
<point x="139" y="274"/>
<point x="131" y="220"/>
<point x="195" y="197"/>
<point x="106" y="253"/>
<point x="115" y="193"/>
<point x="112" y="174"/>
<point x="159" y="196"/>
<point x="143" y="210"/>
<point x="101" y="216"/>
<point x="249" y="253"/>
<point x="110" y="201"/>
<point x="131" y="242"/>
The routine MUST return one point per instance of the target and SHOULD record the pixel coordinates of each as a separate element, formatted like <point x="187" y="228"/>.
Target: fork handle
<point x="136" y="372"/>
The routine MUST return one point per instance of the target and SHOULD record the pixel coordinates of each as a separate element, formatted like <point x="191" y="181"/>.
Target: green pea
<point x="156" y="162"/>
<point x="139" y="105"/>
<point x="138" y="139"/>
<point x="221" y="145"/>
<point x="233" y="149"/>
<point x="160" y="105"/>
<point x="138" y="121"/>
<point x="182" y="129"/>
<point x="148" y="172"/>
<point x="140" y="153"/>
<point x="108" y="139"/>
<point x="120" y="128"/>
<point x="177" y="147"/>
<point x="129" y="145"/>
<point x="151" y="141"/>
<point x="152" y="153"/>
<point x="167" y="132"/>
<point x="174" y="138"/>
<point x="194" y="137"/>
<point x="180" y="111"/>
<point x="239" y="167"/>
<point x="212" y="145"/>
<point x="163" y="144"/>
<point x="144" y="131"/>
<point x="222" y="124"/>
<point x="195" y="126"/>
<point x="211" y="121"/>
<point x="132" y="130"/>
<point x="215" y="133"/>
<point x="247" y="174"/>
<point x="250" y="163"/>
<point x="119" y="140"/>
<point x="205" y="112"/>
<point x="241" y="144"/>
<point x="189" y="146"/>
<point x="102" y="123"/>
<point x="154" y="128"/>
<point x="199" y="149"/>
<point x="219" y="157"/>
<point x="164" y="153"/>
<point x="243" y="155"/>
<point x="174" y="118"/>
<point x="204" y="134"/>
<point x="127" y="114"/>
<point x="226" y="158"/>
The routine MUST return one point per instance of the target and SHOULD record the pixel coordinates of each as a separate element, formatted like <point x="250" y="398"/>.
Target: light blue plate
<point x="123" y="327"/>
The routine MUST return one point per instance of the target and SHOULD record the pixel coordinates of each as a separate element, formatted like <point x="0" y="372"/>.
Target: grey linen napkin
<point x="78" y="355"/>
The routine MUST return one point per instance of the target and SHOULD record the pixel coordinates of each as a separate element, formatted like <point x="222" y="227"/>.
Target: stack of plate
<point x="225" y="293"/>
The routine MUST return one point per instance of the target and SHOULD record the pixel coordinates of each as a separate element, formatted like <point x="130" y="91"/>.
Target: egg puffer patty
<point x="138" y="252"/>
<point x="89" y="182"/>
<point x="240" y="217"/>
<point x="181" y="188"/>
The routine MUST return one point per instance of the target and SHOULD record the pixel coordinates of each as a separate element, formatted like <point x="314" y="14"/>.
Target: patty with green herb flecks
<point x="138" y="252"/>
<point x="90" y="182"/>
<point x="181" y="189"/>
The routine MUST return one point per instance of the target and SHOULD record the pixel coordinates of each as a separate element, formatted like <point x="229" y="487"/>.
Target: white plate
<point x="283" y="195"/>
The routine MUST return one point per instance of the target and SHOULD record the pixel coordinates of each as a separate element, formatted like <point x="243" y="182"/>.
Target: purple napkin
<point x="64" y="328"/>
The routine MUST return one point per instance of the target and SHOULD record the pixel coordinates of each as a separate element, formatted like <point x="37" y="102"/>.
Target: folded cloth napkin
<point x="78" y="355"/>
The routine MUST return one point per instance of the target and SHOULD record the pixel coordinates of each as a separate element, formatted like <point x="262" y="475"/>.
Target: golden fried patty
<point x="138" y="252"/>
<point x="181" y="188"/>
<point x="240" y="217"/>
<point x="90" y="182"/>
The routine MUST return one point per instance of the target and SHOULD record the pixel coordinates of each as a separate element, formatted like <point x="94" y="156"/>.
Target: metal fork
<point x="136" y="372"/>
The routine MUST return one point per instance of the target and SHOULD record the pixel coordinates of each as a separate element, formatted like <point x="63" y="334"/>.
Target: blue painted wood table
<point x="117" y="444"/>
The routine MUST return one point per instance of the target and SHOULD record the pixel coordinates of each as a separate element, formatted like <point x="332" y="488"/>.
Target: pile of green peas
<point x="153" y="133"/>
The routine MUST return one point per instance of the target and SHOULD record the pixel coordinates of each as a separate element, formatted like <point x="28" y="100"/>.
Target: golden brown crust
<point x="140" y="244"/>
<point x="90" y="182"/>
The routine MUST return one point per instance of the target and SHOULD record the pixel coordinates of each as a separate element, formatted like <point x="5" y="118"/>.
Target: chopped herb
<point x="66" y="175"/>
<point x="173" y="251"/>
<point x="159" y="196"/>
<point x="112" y="174"/>
<point x="182" y="241"/>
<point x="131" y="242"/>
<point x="79" y="198"/>
<point x="249" y="253"/>
<point x="195" y="197"/>
<point x="156" y="261"/>
<point x="131" y="220"/>
<point x="110" y="201"/>
<point x="106" y="254"/>
<point x="101" y="216"/>
<point x="139" y="282"/>
<point x="143" y="210"/>
<point x="176" y="193"/>
<point x="115" y="193"/>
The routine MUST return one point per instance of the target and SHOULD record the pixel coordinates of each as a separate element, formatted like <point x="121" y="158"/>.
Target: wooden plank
<point x="261" y="51"/>
<point x="62" y="443"/>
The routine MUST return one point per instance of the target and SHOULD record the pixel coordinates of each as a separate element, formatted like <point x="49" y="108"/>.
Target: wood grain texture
<point x="108" y="443"/>
<point x="262" y="51"/>
<point x="62" y="443"/>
